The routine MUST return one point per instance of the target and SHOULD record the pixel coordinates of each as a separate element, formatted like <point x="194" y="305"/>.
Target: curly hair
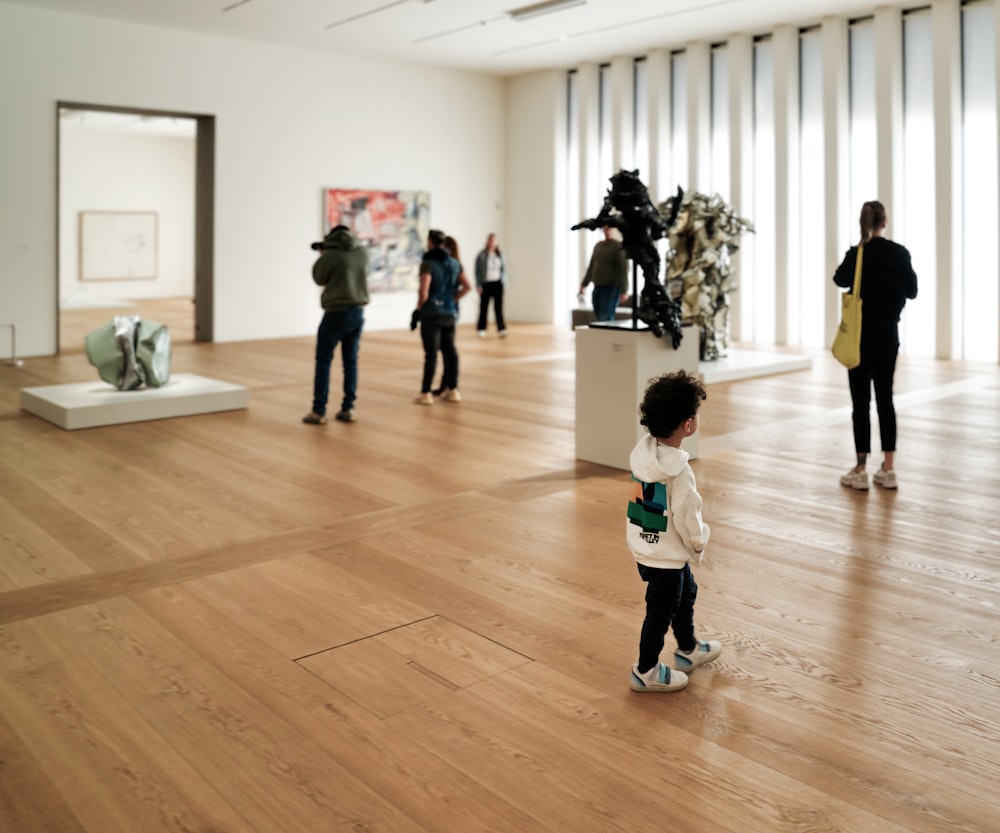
<point x="669" y="401"/>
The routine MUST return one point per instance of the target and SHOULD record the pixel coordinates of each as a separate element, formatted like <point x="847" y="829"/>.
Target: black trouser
<point x="438" y="333"/>
<point x="878" y="367"/>
<point x="494" y="290"/>
<point x="670" y="596"/>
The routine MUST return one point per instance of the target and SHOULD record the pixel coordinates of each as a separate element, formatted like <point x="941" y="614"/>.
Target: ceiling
<point x="475" y="35"/>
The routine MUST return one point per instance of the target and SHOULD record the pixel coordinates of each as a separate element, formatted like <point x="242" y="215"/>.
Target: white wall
<point x="288" y="123"/>
<point x="103" y="170"/>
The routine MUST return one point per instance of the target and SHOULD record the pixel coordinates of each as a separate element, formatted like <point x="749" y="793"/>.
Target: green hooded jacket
<point x="342" y="271"/>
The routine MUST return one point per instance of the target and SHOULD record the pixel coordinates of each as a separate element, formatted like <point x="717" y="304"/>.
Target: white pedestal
<point x="613" y="369"/>
<point x="90" y="404"/>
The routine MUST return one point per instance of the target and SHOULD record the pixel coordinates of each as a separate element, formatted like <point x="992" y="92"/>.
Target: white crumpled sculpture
<point x="706" y="232"/>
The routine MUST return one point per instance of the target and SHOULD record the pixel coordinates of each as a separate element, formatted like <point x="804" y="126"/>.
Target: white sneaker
<point x="855" y="479"/>
<point x="886" y="478"/>
<point x="658" y="678"/>
<point x="481" y="333"/>
<point x="701" y="653"/>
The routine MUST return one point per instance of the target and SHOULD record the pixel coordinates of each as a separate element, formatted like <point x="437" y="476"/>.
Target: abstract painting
<point x="392" y="224"/>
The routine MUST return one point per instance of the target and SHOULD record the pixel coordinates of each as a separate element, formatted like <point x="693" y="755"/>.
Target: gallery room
<point x="214" y="617"/>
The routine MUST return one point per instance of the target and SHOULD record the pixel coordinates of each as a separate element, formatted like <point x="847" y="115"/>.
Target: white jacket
<point x="664" y="527"/>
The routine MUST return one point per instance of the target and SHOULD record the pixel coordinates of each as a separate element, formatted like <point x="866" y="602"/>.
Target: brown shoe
<point x="345" y="416"/>
<point x="314" y="419"/>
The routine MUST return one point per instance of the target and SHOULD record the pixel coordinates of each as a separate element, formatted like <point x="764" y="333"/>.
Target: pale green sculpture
<point x="129" y="352"/>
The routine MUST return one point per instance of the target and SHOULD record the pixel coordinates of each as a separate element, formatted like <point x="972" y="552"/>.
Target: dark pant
<point x="605" y="300"/>
<point x="438" y="333"/>
<point x="670" y="596"/>
<point x="494" y="290"/>
<point x="343" y="327"/>
<point x="878" y="367"/>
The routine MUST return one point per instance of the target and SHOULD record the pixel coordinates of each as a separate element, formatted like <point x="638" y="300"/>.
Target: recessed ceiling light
<point x="546" y="7"/>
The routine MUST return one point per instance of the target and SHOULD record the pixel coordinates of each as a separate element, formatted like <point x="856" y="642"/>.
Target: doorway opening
<point x="135" y="208"/>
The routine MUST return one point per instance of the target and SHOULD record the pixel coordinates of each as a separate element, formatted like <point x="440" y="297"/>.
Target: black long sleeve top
<point x="887" y="281"/>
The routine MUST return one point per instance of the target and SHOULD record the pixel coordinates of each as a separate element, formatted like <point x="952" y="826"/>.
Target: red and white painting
<point x="392" y="224"/>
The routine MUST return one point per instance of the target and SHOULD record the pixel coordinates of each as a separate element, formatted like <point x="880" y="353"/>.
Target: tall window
<point x="605" y="130"/>
<point x="678" y="122"/>
<point x="915" y="224"/>
<point x="720" y="122"/>
<point x="758" y="293"/>
<point x="863" y="136"/>
<point x="807" y="324"/>
<point x="571" y="279"/>
<point x="640" y="109"/>
<point x="978" y="285"/>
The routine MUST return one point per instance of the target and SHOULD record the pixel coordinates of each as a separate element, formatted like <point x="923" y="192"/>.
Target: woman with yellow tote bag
<point x="880" y="274"/>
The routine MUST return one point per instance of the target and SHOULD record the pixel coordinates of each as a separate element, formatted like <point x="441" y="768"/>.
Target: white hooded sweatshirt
<point x="664" y="528"/>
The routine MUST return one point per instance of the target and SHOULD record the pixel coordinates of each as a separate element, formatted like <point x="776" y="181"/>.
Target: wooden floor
<point x="424" y="621"/>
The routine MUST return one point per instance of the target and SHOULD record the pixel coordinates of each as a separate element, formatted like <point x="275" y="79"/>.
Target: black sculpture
<point x="628" y="208"/>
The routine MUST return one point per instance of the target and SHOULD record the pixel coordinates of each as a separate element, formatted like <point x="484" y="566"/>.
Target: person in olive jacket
<point x="342" y="271"/>
<point x="608" y="271"/>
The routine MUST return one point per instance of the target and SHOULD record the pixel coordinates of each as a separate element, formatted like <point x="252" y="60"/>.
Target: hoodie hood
<point x="341" y="239"/>
<point x="652" y="462"/>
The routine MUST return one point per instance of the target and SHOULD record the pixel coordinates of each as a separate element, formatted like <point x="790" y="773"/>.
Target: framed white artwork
<point x="118" y="245"/>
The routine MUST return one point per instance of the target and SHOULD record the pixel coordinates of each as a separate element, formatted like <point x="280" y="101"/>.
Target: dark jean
<point x="494" y="290"/>
<point x="877" y="368"/>
<point x="670" y="597"/>
<point x="437" y="332"/>
<point x="605" y="300"/>
<point x="338" y="327"/>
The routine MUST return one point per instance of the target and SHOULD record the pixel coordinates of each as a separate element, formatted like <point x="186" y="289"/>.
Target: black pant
<point x="438" y="333"/>
<point x="670" y="596"/>
<point x="494" y="290"/>
<point x="878" y="367"/>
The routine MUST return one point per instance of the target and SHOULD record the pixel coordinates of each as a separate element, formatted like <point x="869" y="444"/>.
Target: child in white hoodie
<point x="665" y="531"/>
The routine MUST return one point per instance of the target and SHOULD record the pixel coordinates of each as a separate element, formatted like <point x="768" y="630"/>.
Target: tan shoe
<point x="424" y="399"/>
<point x="451" y="395"/>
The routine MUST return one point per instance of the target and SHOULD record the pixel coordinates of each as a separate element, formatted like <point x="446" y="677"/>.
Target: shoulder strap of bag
<point x="857" y="272"/>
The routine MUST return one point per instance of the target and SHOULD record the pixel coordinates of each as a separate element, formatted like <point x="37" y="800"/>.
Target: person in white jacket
<point x="665" y="531"/>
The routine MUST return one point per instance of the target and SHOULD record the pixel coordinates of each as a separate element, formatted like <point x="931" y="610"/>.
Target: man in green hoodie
<point x="342" y="271"/>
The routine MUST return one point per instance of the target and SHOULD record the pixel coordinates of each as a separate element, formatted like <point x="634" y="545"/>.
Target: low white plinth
<point x="613" y="368"/>
<point x="90" y="404"/>
<point x="749" y="364"/>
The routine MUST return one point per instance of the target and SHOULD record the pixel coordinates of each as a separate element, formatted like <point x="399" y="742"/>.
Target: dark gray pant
<point x="877" y="368"/>
<point x="438" y="333"/>
<point x="670" y="597"/>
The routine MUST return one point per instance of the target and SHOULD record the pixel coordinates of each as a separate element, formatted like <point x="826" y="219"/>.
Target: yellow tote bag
<point x="847" y="342"/>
